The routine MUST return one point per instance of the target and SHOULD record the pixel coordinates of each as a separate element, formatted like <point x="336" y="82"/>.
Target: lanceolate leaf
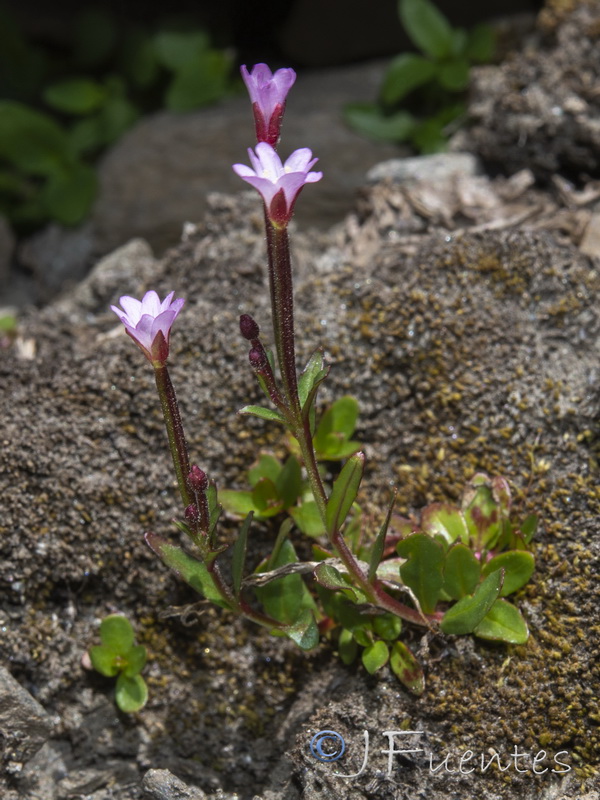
<point x="344" y="492"/>
<point x="306" y="382"/>
<point x="239" y="555"/>
<point x="192" y="571"/>
<point x="262" y="412"/>
<point x="423" y="570"/>
<point x="427" y="27"/>
<point x="465" y="616"/>
<point x="379" y="543"/>
<point x="406" y="668"/>
<point x="503" y="622"/>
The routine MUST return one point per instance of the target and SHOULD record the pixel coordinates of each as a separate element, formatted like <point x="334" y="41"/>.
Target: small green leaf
<point x="344" y="492"/>
<point x="466" y="615"/>
<point x="405" y="73"/>
<point x="529" y="527"/>
<point x="305" y="632"/>
<point x="332" y="579"/>
<point x="482" y="513"/>
<point x="379" y="543"/>
<point x="286" y="599"/>
<point x="135" y="661"/>
<point x="75" y="95"/>
<point x="406" y="668"/>
<point x="265" y="498"/>
<point x="214" y="508"/>
<point x="518" y="568"/>
<point x="347" y="647"/>
<point x="105" y="660"/>
<point x="444" y="519"/>
<point x="375" y="656"/>
<point x="116" y="632"/>
<point x="454" y="75"/>
<point x="480" y="44"/>
<point x="423" y="570"/>
<point x="267" y="466"/>
<point x="289" y="482"/>
<point x="191" y="571"/>
<point x="504" y="623"/>
<point x="238" y="502"/>
<point x="131" y="694"/>
<point x="387" y="626"/>
<point x="427" y="27"/>
<point x="339" y="418"/>
<point x="262" y="413"/>
<point x="368" y="120"/>
<point x="461" y="571"/>
<point x="310" y="375"/>
<point x="238" y="558"/>
<point x="308" y="519"/>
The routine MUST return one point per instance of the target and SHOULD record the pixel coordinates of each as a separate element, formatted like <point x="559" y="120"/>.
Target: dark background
<point x="310" y="33"/>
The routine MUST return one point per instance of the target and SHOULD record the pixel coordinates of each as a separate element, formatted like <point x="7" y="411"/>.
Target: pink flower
<point x="268" y="93"/>
<point x="148" y="322"/>
<point x="279" y="184"/>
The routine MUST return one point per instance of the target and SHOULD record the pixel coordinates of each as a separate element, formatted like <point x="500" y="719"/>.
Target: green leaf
<point x="285" y="599"/>
<point x="344" y="492"/>
<point x="518" y="568"/>
<point x="375" y="656"/>
<point x="379" y="543"/>
<point x="387" y="626"/>
<point x="504" y="623"/>
<point x="405" y="73"/>
<point x="368" y="120"/>
<point x="406" y="668"/>
<point x="466" y="615"/>
<point x="214" y="508"/>
<point x="176" y="49"/>
<point x="481" y="44"/>
<point x="529" y="527"/>
<point x="31" y="141"/>
<point x="289" y="482"/>
<point x="262" y="413"/>
<point x="105" y="660"/>
<point x="482" y="514"/>
<point x="347" y="647"/>
<point x="135" y="661"/>
<point x="265" y="498"/>
<point x="238" y="558"/>
<point x="308" y="519"/>
<point x="199" y="82"/>
<point x="446" y="520"/>
<point x="341" y="418"/>
<point x="461" y="571"/>
<point x="332" y="579"/>
<point x="116" y="632"/>
<point x="427" y="27"/>
<point x="305" y="632"/>
<point x="454" y="75"/>
<point x="75" y="95"/>
<point x="310" y="375"/>
<point x="131" y="694"/>
<point x="193" y="572"/>
<point x="267" y="466"/>
<point x="68" y="195"/>
<point x="238" y="502"/>
<point x="423" y="571"/>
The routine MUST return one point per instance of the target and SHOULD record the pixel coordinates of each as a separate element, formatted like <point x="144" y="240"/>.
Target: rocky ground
<point x="462" y="311"/>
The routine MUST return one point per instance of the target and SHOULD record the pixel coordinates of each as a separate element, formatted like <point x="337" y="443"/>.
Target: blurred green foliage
<point x="62" y="107"/>
<point x="422" y="95"/>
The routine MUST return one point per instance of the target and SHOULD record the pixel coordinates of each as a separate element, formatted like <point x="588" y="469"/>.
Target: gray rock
<point x="24" y="725"/>
<point x="433" y="168"/>
<point x="160" y="784"/>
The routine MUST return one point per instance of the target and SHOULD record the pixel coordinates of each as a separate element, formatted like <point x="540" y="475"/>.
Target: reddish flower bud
<point x="248" y="327"/>
<point x="191" y="513"/>
<point x="258" y="359"/>
<point x="197" y="480"/>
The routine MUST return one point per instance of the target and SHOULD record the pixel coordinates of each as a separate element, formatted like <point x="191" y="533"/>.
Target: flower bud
<point x="191" y="513"/>
<point x="258" y="359"/>
<point x="197" y="480"/>
<point x="248" y="327"/>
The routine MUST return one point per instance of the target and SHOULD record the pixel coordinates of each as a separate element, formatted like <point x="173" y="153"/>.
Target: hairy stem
<point x="175" y="433"/>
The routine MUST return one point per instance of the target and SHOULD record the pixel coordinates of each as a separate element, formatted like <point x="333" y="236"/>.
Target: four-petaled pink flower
<point x="268" y="92"/>
<point x="279" y="184"/>
<point x="148" y="322"/>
